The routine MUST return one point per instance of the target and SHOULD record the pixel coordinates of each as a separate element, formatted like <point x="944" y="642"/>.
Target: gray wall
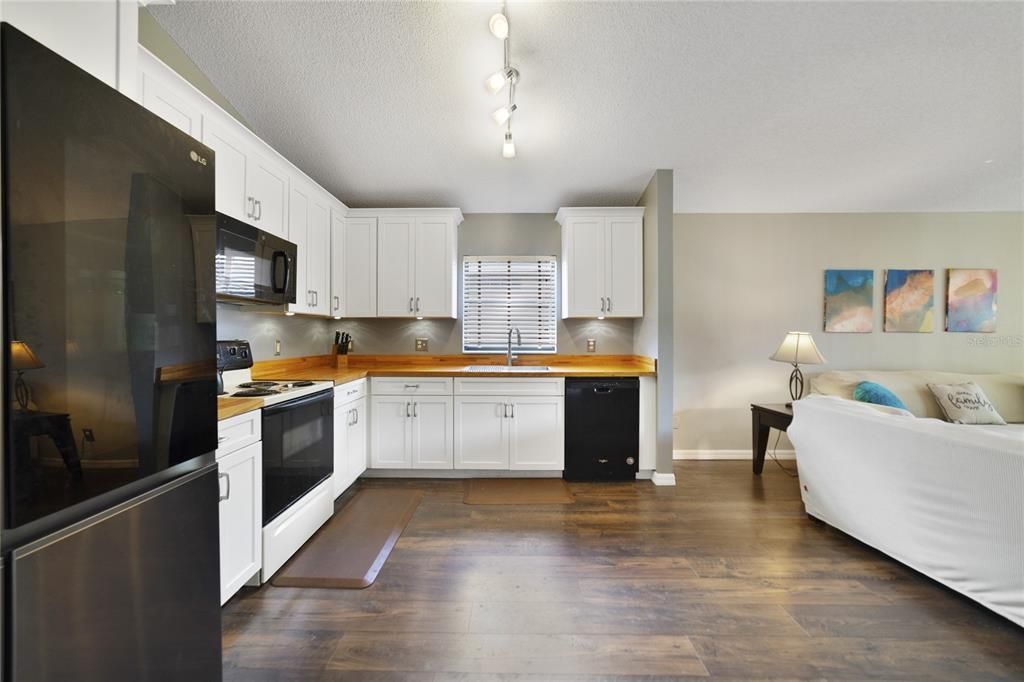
<point x="743" y="281"/>
<point x="653" y="334"/>
<point x="298" y="335"/>
<point x="491" y="234"/>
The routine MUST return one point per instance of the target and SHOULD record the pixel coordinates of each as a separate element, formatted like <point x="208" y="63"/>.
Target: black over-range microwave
<point x="253" y="266"/>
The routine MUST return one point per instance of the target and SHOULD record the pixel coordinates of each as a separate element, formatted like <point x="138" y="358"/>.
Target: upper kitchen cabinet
<point x="416" y="261"/>
<point x="602" y="262"/>
<point x="101" y="37"/>
<point x="309" y="217"/>
<point x="353" y="265"/>
<point x="168" y="97"/>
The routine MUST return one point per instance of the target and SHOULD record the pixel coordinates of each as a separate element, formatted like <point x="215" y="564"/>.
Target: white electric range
<point x="240" y="384"/>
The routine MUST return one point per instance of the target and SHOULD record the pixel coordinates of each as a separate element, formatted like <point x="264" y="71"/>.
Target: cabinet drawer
<point x="346" y="393"/>
<point x="237" y="432"/>
<point x="411" y="386"/>
<point x="511" y="386"/>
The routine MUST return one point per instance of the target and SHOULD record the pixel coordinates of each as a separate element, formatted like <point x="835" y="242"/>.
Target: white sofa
<point x="945" y="499"/>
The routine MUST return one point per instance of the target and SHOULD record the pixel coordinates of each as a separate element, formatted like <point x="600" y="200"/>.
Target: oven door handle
<point x="321" y="396"/>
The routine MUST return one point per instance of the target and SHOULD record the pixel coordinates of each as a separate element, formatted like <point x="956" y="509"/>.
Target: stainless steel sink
<point x="506" y="368"/>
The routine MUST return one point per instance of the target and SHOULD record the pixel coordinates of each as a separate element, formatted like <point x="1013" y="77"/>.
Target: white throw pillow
<point x="965" y="404"/>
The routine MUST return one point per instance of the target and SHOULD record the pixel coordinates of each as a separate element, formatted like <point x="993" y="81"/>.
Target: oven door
<point x="253" y="266"/>
<point x="298" y="450"/>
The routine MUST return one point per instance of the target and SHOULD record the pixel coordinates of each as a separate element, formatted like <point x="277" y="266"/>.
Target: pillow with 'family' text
<point x="965" y="404"/>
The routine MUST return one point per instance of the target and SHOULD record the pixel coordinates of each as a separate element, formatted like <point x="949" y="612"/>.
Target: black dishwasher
<point x="602" y="429"/>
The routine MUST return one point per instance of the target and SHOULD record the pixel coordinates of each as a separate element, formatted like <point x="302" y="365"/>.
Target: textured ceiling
<point x="758" y="107"/>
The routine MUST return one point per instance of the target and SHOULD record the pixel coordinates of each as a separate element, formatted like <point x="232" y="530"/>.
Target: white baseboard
<point x="663" y="479"/>
<point x="728" y="454"/>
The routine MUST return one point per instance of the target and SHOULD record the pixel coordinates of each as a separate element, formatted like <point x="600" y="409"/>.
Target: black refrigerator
<point x="109" y="495"/>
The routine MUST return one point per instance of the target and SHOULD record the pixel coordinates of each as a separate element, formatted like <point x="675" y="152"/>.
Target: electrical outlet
<point x="421" y="345"/>
<point x="90" y="437"/>
<point x="277" y="346"/>
<point x="591" y="345"/>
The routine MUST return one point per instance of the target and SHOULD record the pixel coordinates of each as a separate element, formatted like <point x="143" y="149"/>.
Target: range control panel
<point x="234" y="354"/>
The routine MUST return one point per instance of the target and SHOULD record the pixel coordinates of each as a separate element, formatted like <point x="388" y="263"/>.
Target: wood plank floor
<point x="723" y="576"/>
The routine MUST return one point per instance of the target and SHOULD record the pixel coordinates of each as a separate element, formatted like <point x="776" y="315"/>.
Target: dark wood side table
<point x="56" y="426"/>
<point x="766" y="417"/>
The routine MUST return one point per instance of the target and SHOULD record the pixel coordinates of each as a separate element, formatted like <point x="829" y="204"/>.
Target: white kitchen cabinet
<point x="602" y="262"/>
<point x="536" y="433"/>
<point x="100" y="37"/>
<point x="481" y="432"/>
<point x="241" y="514"/>
<point x="353" y="265"/>
<point x="309" y="230"/>
<point x="230" y="144"/>
<point x="509" y="430"/>
<point x="350" y="421"/>
<point x="416" y="261"/>
<point x="391" y="433"/>
<point x="396" y="266"/>
<point x="411" y="432"/>
<point x="169" y="98"/>
<point x="267" y="184"/>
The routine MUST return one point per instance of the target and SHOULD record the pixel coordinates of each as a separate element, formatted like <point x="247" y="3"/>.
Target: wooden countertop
<point x="342" y="369"/>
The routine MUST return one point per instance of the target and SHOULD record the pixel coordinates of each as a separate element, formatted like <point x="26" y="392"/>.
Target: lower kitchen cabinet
<point x="350" y="421"/>
<point x="519" y="433"/>
<point x="241" y="512"/>
<point x="411" y="432"/>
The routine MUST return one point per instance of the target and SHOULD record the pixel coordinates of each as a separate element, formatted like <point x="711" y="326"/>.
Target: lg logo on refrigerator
<point x="195" y="157"/>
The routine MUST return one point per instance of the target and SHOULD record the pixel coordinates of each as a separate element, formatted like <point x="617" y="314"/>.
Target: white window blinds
<point x="502" y="293"/>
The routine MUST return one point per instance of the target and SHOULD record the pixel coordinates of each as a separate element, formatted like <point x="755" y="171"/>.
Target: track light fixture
<point x="497" y="81"/>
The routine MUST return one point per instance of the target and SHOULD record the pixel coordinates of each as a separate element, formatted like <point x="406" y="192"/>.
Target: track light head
<point x="499" y="26"/>
<point x="497" y="80"/>
<point x="508" y="150"/>
<point x="502" y="114"/>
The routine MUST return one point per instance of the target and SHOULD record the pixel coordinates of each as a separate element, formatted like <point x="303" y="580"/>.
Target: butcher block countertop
<point x="344" y="368"/>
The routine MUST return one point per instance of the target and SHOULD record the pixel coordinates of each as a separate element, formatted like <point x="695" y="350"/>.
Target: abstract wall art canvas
<point x="909" y="300"/>
<point x="971" y="300"/>
<point x="849" y="300"/>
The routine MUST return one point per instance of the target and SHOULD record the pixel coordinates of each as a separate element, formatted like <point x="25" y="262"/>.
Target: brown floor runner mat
<point x="351" y="548"/>
<point x="517" y="491"/>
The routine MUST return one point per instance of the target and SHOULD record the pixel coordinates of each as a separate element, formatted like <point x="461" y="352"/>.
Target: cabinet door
<point x="359" y="270"/>
<point x="337" y="302"/>
<point x="174" y="104"/>
<point x="584" y="252"/>
<point x="396" y="267"/>
<point x="241" y="517"/>
<point x="268" y="185"/>
<point x="340" y="478"/>
<point x="391" y="433"/>
<point x="481" y="432"/>
<point x="318" y="254"/>
<point x="227" y="139"/>
<point x="299" y="234"/>
<point x="624" y="267"/>
<point x="435" y="267"/>
<point x="432" y="432"/>
<point x="356" y="447"/>
<point x="537" y="433"/>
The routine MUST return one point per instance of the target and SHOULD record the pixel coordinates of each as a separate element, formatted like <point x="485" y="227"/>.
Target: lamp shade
<point x="23" y="358"/>
<point x="798" y="349"/>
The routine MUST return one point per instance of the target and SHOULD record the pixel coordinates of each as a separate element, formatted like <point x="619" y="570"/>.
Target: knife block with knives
<point x="342" y="343"/>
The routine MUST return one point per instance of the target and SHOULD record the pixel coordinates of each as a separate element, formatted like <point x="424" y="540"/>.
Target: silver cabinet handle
<point x="417" y="304"/>
<point x="410" y="304"/>
<point x="407" y="415"/>
<point x="221" y="439"/>
<point x="504" y="410"/>
<point x="337" y="302"/>
<point x="609" y="304"/>
<point x="226" y="495"/>
<point x="249" y="207"/>
<point x="513" y="406"/>
<point x="351" y="418"/>
<point x="416" y="386"/>
<point x="316" y="298"/>
<point x="355" y="416"/>
<point x="259" y="212"/>
<point x="602" y="304"/>
<point x="416" y="410"/>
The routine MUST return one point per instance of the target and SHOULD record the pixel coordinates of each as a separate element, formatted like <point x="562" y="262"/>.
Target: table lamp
<point x="22" y="358"/>
<point x="796" y="349"/>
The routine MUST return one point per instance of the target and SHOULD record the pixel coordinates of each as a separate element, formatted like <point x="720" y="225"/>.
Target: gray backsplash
<point x="298" y="335"/>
